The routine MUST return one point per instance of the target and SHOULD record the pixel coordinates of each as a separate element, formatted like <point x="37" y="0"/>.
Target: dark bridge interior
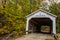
<point x="35" y="25"/>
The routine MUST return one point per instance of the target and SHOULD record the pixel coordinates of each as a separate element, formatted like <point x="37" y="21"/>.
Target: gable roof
<point x="42" y="11"/>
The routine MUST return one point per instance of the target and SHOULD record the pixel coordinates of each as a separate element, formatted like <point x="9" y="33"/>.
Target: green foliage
<point x="12" y="17"/>
<point x="44" y="27"/>
<point x="53" y="9"/>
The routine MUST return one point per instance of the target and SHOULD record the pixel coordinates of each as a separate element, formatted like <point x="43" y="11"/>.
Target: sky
<point x="58" y="0"/>
<point x="49" y="2"/>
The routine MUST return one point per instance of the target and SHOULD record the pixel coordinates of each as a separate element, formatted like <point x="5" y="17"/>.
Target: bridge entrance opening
<point x="40" y="25"/>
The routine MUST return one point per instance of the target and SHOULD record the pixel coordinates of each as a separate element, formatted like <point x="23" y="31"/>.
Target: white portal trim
<point x="42" y="14"/>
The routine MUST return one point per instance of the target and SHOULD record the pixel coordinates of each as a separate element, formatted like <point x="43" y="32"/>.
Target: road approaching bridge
<point x="36" y="36"/>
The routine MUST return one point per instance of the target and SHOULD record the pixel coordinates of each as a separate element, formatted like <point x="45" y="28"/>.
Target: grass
<point x="58" y="35"/>
<point x="50" y="39"/>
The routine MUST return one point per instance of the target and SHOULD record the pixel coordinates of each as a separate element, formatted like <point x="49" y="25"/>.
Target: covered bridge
<point x="38" y="19"/>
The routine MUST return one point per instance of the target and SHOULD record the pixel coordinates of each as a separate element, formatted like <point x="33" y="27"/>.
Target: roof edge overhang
<point x="42" y="11"/>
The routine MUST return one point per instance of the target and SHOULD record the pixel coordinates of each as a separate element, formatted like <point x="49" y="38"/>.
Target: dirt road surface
<point x="35" y="36"/>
